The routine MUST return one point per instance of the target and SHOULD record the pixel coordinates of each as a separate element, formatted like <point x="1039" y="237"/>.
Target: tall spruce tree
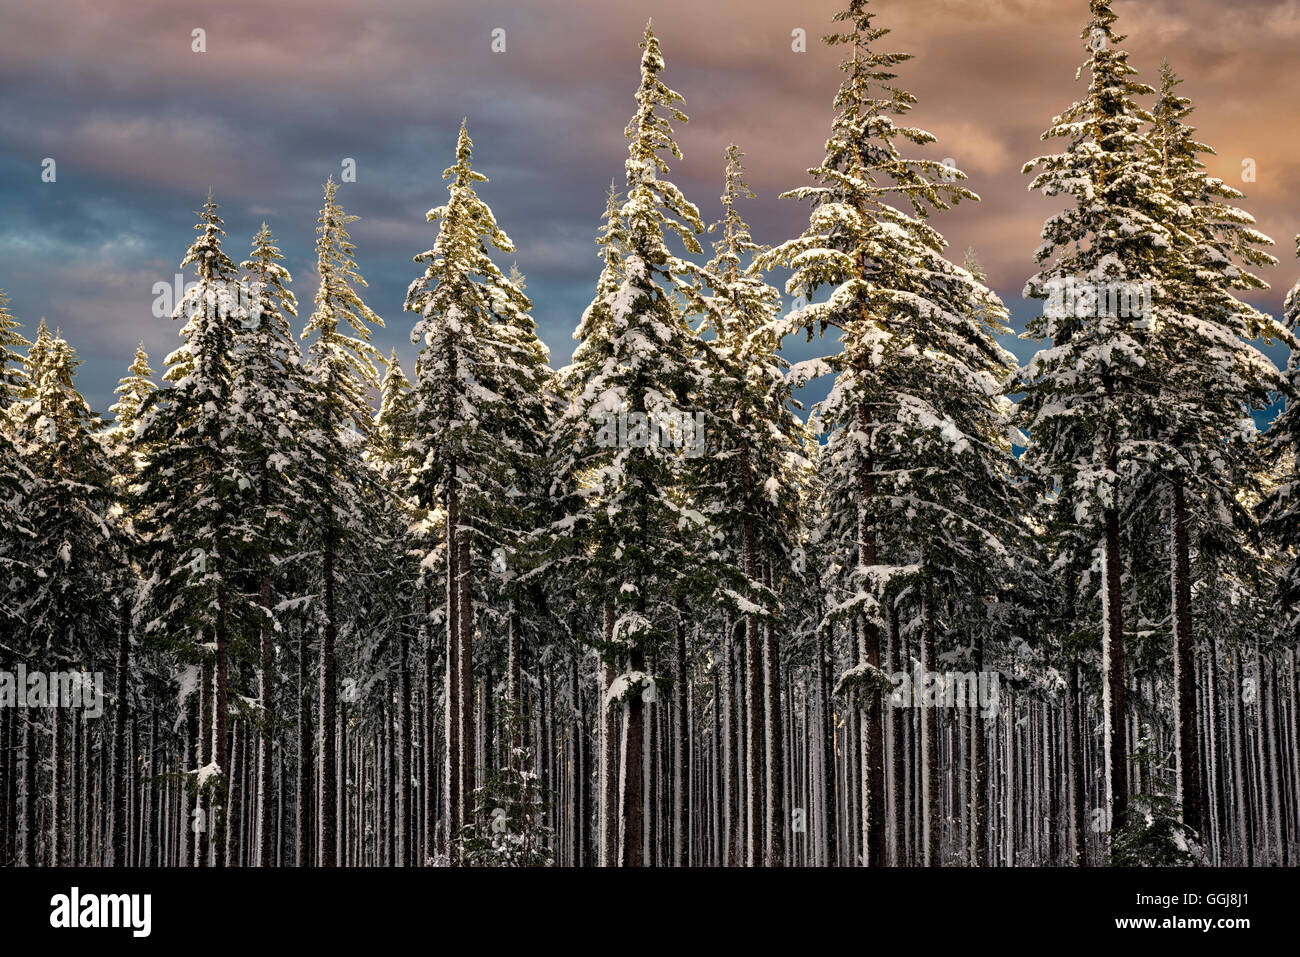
<point x="573" y="455"/>
<point x="1213" y="380"/>
<point x="11" y="341"/>
<point x="1088" y="396"/>
<point x="341" y="373"/>
<point x="1281" y="508"/>
<point x="750" y="481"/>
<point x="904" y="317"/>
<point x="132" y="392"/>
<point x="14" y="477"/>
<point x="186" y="503"/>
<point x="635" y="379"/>
<point x="268" y="414"/>
<point x="476" y="421"/>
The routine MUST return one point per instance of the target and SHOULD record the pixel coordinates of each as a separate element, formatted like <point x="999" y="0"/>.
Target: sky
<point x="140" y="127"/>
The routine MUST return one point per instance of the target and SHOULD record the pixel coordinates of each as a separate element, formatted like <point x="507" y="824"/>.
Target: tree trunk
<point x="302" y="805"/>
<point x="1113" y="668"/>
<point x="266" y="692"/>
<point x="1074" y="718"/>
<point x="203" y="817"/>
<point x="754" y="711"/>
<point x="681" y="752"/>
<point x="58" y="825"/>
<point x="327" y="827"/>
<point x="466" y="688"/>
<point x="119" y="741"/>
<point x="1188" y="763"/>
<point x="731" y="748"/>
<point x="830" y="795"/>
<point x="930" y="825"/>
<point x="404" y="809"/>
<point x="873" y="758"/>
<point x="631" y="775"/>
<point x="234" y="797"/>
<point x="220" y="739"/>
<point x="609" y="773"/>
<point x="775" y="756"/>
<point x="453" y="796"/>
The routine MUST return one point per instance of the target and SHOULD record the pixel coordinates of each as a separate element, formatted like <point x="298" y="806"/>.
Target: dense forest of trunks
<point x="295" y="608"/>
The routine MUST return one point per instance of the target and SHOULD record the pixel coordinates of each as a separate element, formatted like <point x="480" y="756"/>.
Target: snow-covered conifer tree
<point x="1087" y="394"/>
<point x="185" y="504"/>
<point x="74" y="557"/>
<point x="341" y="372"/>
<point x="1212" y="379"/>
<point x="267" y="414"/>
<point x="11" y="372"/>
<point x="750" y="480"/>
<point x="476" y="424"/>
<point x="633" y="382"/>
<point x="1281" y="509"/>
<point x="906" y="320"/>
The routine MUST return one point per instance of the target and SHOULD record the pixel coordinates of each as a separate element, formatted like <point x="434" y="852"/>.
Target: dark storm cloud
<point x="141" y="128"/>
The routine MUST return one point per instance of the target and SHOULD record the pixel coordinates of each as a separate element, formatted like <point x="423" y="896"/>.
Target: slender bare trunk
<point x="1188" y="763"/>
<point x="609" y="773"/>
<point x="775" y="756"/>
<point x="327" y="829"/>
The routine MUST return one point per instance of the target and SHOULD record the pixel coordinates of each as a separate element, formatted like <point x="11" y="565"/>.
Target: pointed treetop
<point x="467" y="217"/>
<point x="1109" y="66"/>
<point x="206" y="252"/>
<point x="1102" y="18"/>
<point x="656" y="205"/>
<point x="140" y="364"/>
<point x="10" y="359"/>
<point x="1171" y="108"/>
<point x="867" y="67"/>
<point x="57" y="363"/>
<point x="268" y="277"/>
<point x="337" y="268"/>
<point x="392" y="391"/>
<point x="134" y="388"/>
<point x="34" y="363"/>
<point x="463" y="171"/>
<point x="971" y="263"/>
<point x="1291" y="313"/>
<point x="736" y="240"/>
<point x="648" y="131"/>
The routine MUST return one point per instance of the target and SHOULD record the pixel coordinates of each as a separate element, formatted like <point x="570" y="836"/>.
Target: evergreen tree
<point x="14" y="478"/>
<point x="635" y="379"/>
<point x="267" y="416"/>
<point x="67" y="507"/>
<point x="1088" y="396"/>
<point x="186" y="503"/>
<point x="1212" y="381"/>
<point x="476" y="420"/>
<point x="571" y="494"/>
<point x="132" y="391"/>
<point x="912" y="352"/>
<point x="751" y="480"/>
<point x="341" y="371"/>
<point x="74" y="556"/>
<point x="1281" y="508"/>
<point x="508" y="828"/>
<point x="11" y="375"/>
